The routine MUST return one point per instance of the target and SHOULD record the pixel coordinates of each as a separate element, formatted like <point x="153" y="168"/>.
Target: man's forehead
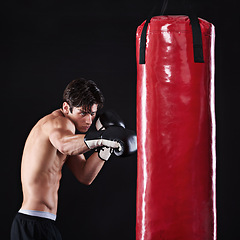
<point x="93" y="108"/>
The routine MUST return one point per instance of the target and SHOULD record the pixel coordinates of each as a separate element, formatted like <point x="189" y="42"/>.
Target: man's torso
<point x="41" y="167"/>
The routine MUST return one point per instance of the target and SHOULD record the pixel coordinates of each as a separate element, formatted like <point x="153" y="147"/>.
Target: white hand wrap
<point x="105" y="153"/>
<point x="92" y="144"/>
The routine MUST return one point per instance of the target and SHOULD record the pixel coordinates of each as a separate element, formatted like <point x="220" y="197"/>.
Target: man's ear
<point x="66" y="108"/>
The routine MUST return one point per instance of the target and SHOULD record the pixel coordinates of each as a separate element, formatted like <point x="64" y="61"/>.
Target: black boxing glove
<point x="123" y="141"/>
<point x="128" y="141"/>
<point x="109" y="119"/>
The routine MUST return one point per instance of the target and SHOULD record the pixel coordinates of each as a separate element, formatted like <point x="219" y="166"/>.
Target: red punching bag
<point x="176" y="130"/>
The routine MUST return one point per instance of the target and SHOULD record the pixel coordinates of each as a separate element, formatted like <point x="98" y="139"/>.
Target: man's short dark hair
<point x="83" y="93"/>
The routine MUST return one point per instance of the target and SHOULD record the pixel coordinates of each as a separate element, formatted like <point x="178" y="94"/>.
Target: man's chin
<point x="83" y="130"/>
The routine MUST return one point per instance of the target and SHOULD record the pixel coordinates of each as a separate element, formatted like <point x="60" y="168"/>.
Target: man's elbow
<point x="85" y="181"/>
<point x="62" y="149"/>
<point x="65" y="149"/>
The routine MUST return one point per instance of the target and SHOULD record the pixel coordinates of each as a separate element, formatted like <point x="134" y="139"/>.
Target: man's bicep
<point x="62" y="136"/>
<point x="57" y="135"/>
<point x="58" y="130"/>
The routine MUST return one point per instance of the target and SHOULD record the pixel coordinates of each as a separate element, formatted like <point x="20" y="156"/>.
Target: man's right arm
<point x="62" y="136"/>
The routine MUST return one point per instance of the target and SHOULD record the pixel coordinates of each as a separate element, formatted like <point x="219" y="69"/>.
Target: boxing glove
<point x="123" y="141"/>
<point x="105" y="120"/>
<point x="108" y="119"/>
<point x="128" y="141"/>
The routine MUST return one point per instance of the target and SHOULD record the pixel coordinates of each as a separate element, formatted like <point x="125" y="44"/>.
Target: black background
<point x="47" y="43"/>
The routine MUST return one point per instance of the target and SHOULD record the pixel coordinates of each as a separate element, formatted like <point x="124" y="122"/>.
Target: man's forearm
<point x="85" y="170"/>
<point x="91" y="169"/>
<point x="74" y="145"/>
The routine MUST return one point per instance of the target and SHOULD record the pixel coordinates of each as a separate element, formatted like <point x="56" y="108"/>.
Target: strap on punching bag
<point x="196" y="32"/>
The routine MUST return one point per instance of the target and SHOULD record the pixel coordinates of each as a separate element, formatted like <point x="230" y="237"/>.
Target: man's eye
<point x="83" y="113"/>
<point x="93" y="114"/>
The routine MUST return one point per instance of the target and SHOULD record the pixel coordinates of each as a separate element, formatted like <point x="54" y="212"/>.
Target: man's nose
<point x="89" y="119"/>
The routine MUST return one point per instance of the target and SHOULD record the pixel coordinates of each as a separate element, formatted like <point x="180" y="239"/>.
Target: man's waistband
<point x="41" y="214"/>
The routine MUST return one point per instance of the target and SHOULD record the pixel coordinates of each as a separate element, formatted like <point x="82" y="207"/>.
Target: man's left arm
<point x="85" y="170"/>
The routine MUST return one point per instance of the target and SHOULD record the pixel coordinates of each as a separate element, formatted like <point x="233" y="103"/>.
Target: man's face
<point x="81" y="119"/>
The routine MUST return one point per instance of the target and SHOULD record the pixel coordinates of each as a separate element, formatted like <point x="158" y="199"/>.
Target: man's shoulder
<point x="57" y="120"/>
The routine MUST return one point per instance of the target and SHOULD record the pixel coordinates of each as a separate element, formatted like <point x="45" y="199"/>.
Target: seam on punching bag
<point x="196" y="34"/>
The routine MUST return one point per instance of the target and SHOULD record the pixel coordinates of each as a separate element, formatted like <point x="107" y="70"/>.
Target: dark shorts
<point x="25" y="227"/>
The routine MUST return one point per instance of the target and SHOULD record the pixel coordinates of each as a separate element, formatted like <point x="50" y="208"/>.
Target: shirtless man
<point x="51" y="143"/>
